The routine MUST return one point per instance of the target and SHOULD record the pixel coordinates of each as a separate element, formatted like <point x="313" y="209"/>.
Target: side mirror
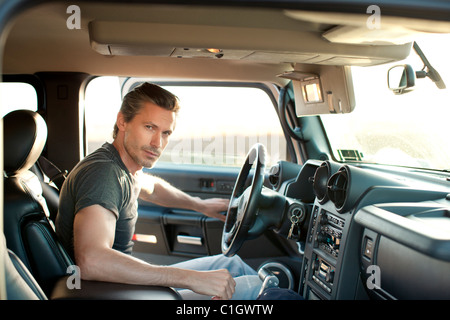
<point x="401" y="78"/>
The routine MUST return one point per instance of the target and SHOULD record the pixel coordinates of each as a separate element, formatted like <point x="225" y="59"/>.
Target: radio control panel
<point x="326" y="233"/>
<point x="323" y="274"/>
<point x="323" y="251"/>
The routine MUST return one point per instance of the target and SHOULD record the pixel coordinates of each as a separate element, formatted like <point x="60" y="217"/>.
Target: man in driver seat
<point x="98" y="207"/>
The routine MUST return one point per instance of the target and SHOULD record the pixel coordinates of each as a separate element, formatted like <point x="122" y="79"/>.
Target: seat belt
<point x="55" y="175"/>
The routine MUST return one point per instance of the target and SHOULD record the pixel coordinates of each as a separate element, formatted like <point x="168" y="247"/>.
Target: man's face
<point x="147" y="134"/>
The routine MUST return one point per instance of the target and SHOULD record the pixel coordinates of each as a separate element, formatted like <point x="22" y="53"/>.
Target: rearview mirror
<point x="401" y="79"/>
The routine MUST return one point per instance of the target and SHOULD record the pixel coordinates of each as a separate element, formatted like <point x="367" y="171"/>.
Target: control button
<point x="321" y="237"/>
<point x="207" y="183"/>
<point x="330" y="276"/>
<point x="316" y="264"/>
<point x="315" y="211"/>
<point x="368" y="248"/>
<point x="323" y="219"/>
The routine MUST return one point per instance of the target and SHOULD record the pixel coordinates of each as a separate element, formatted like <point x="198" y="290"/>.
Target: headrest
<point x="25" y="134"/>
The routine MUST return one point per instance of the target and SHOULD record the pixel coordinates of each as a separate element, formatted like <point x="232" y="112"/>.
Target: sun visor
<point x="121" y="38"/>
<point x="322" y="89"/>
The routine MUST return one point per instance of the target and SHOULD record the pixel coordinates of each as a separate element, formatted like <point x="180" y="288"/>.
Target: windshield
<point x="406" y="130"/>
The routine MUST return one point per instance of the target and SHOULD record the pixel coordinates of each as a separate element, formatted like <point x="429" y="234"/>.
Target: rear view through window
<point x="17" y="95"/>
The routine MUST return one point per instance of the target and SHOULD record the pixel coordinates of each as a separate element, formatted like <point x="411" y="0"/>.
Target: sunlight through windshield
<point x="407" y="130"/>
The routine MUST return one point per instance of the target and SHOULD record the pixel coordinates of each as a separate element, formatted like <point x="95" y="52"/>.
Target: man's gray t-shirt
<point x="100" y="179"/>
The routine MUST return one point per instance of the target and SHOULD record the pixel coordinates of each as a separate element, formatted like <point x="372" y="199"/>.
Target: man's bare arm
<point x="94" y="229"/>
<point x="162" y="193"/>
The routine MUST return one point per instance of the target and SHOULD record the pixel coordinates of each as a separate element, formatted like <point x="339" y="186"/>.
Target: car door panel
<point x="174" y="234"/>
<point x="178" y="232"/>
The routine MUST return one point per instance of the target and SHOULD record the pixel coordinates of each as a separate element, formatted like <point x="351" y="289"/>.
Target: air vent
<point x="337" y="188"/>
<point x="320" y="182"/>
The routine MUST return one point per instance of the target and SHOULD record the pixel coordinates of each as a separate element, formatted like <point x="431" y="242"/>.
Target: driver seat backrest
<point x="28" y="230"/>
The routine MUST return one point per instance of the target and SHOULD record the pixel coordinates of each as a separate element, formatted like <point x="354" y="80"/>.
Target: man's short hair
<point x="146" y="92"/>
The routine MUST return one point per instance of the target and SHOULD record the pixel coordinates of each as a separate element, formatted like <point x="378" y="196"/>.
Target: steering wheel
<point x="243" y="206"/>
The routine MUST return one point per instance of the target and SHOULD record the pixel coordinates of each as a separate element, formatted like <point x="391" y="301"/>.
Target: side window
<point x="216" y="125"/>
<point x="17" y="95"/>
<point x="101" y="104"/>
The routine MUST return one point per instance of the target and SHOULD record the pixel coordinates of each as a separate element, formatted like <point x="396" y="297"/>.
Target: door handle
<point x="196" y="241"/>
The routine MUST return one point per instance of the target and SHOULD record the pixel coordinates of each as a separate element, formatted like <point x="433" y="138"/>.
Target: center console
<point x="325" y="237"/>
<point x="330" y="242"/>
<point x="332" y="247"/>
<point x="323" y="252"/>
<point x="325" y="257"/>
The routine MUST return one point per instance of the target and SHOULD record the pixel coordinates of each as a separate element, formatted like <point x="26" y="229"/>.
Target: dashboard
<point x="374" y="232"/>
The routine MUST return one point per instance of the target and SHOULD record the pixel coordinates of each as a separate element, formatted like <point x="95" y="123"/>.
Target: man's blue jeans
<point x="247" y="280"/>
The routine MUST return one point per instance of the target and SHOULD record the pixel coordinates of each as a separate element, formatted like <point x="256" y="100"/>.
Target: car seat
<point x="28" y="230"/>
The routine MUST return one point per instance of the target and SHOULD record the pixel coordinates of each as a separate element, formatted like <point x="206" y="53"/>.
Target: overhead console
<point x="367" y="226"/>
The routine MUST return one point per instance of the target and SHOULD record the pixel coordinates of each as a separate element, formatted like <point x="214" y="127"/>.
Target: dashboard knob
<point x="316" y="264"/>
<point x="323" y="219"/>
<point x="321" y="237"/>
<point x="330" y="276"/>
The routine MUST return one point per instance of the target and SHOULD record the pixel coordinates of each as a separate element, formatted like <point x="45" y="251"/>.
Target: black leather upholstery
<point x="97" y="290"/>
<point x="25" y="135"/>
<point x="29" y="232"/>
<point x="49" y="191"/>
<point x="19" y="283"/>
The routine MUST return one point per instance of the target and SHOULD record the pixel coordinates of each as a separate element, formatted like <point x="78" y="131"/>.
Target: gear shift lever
<point x="268" y="278"/>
